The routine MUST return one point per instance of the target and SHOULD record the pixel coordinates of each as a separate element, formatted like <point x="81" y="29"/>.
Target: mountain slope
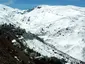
<point x="60" y="26"/>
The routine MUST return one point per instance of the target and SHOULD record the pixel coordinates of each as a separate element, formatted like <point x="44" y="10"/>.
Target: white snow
<point x="60" y="26"/>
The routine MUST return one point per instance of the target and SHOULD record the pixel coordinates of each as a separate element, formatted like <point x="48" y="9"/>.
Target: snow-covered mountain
<point x="60" y="27"/>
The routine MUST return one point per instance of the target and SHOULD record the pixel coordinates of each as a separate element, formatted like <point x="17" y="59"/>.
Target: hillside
<point x="51" y="30"/>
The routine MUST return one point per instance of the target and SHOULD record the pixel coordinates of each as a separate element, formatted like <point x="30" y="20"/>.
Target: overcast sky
<point x="26" y="4"/>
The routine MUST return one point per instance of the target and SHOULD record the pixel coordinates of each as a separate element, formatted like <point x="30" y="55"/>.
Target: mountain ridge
<point x="60" y="26"/>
